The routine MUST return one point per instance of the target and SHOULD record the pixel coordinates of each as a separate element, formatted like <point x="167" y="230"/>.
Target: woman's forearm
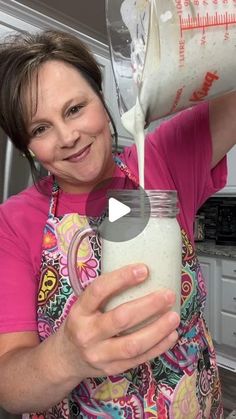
<point x="33" y="379"/>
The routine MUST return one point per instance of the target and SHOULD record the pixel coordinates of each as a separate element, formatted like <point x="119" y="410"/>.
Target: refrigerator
<point x="15" y="172"/>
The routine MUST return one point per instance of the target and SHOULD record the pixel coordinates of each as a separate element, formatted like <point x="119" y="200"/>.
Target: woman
<point x="62" y="357"/>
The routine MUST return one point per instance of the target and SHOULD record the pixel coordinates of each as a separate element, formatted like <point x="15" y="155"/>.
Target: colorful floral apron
<point x="182" y="383"/>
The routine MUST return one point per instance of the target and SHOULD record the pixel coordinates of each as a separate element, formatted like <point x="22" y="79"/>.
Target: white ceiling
<point x="86" y="16"/>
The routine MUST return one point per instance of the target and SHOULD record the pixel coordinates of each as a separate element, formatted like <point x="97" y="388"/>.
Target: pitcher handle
<point x="76" y="241"/>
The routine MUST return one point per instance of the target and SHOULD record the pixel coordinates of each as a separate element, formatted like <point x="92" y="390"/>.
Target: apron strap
<point x="53" y="199"/>
<point x="124" y="168"/>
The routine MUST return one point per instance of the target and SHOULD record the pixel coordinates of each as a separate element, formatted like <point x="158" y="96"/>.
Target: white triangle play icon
<point x="117" y="210"/>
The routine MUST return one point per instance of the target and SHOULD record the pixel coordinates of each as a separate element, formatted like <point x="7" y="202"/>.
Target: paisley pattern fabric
<point x="182" y="383"/>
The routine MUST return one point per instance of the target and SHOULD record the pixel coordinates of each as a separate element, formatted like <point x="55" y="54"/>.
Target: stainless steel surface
<point x="14" y="169"/>
<point x="7" y="169"/>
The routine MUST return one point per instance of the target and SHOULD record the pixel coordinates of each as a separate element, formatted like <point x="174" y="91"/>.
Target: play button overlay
<point x="117" y="210"/>
<point x="125" y="212"/>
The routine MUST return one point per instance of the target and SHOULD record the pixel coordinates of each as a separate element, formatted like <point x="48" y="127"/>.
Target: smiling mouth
<point x="80" y="155"/>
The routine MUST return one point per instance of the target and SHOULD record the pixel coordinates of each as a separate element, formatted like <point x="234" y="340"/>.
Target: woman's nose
<point x="67" y="135"/>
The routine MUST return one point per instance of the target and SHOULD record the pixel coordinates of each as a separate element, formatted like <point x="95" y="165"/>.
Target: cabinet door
<point x="228" y="303"/>
<point x="228" y="329"/>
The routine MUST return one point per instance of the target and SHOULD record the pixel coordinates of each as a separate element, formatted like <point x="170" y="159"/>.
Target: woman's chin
<point x="84" y="181"/>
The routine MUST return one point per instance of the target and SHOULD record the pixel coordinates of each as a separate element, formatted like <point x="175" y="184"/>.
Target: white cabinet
<point x="227" y="326"/>
<point x="228" y="329"/>
<point x="228" y="297"/>
<point x="220" y="277"/>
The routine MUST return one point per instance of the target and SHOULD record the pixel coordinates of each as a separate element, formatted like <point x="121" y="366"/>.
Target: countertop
<point x="209" y="248"/>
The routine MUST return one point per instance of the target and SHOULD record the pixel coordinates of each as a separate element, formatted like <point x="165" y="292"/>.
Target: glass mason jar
<point x="156" y="242"/>
<point x="158" y="245"/>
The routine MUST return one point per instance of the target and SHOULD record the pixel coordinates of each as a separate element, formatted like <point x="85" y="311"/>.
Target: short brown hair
<point x="21" y="56"/>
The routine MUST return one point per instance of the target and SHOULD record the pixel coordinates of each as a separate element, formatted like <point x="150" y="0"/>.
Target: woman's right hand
<point x="92" y="342"/>
<point x="88" y="343"/>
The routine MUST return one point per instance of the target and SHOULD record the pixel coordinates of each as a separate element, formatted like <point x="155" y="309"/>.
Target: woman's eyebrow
<point x="35" y="119"/>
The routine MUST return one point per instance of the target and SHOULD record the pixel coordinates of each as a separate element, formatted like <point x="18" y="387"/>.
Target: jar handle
<point x="75" y="243"/>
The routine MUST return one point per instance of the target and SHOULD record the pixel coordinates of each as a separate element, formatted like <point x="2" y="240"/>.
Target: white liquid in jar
<point x="159" y="247"/>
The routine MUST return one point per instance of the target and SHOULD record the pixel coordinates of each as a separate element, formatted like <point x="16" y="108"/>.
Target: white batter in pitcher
<point x="183" y="52"/>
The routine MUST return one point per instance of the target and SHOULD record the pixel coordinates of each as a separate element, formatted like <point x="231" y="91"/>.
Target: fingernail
<point x="174" y="319"/>
<point x="170" y="297"/>
<point x="140" y="271"/>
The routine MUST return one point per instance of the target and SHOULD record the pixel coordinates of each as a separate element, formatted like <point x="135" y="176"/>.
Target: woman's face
<point x="69" y="132"/>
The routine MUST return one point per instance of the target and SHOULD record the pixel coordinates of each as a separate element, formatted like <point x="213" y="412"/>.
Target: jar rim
<point x="172" y="192"/>
<point x="157" y="202"/>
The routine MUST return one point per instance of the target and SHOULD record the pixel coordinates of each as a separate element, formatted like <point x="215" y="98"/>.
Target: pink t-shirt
<point x="177" y="156"/>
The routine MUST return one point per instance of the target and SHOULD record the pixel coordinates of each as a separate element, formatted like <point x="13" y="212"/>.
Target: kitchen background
<point x="215" y="225"/>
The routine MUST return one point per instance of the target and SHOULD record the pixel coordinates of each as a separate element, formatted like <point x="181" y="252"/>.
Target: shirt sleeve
<point x="178" y="155"/>
<point x="184" y="143"/>
<point x="17" y="276"/>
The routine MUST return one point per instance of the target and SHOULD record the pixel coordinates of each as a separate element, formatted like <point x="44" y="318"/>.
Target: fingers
<point x="96" y="294"/>
<point x="117" y="367"/>
<point x="96" y="339"/>
<point x="136" y="344"/>
<point x="116" y="357"/>
<point x="128" y="315"/>
<point x="143" y="340"/>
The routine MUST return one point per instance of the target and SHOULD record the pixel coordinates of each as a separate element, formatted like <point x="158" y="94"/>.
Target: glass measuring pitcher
<point x="171" y="54"/>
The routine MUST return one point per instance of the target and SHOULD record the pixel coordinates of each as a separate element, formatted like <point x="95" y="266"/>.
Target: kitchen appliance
<point x="226" y="224"/>
<point x="15" y="172"/>
<point x="219" y="220"/>
<point x="199" y="228"/>
<point x="210" y="212"/>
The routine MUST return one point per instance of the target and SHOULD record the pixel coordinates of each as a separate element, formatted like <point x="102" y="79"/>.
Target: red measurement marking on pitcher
<point x="207" y="21"/>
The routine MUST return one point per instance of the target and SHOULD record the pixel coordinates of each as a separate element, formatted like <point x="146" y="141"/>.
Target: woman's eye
<point x="74" y="109"/>
<point x="38" y="131"/>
